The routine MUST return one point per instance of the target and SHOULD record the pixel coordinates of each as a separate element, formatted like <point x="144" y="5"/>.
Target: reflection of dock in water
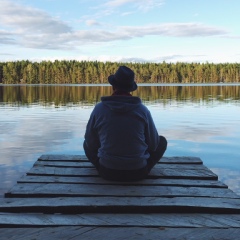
<point x="62" y="197"/>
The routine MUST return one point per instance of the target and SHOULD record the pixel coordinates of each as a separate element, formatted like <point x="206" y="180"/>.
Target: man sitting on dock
<point x="121" y="139"/>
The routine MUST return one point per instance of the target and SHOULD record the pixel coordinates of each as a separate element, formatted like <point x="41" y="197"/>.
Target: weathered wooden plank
<point x="121" y="220"/>
<point x="62" y="157"/>
<point x="132" y="204"/>
<point x="101" y="181"/>
<point x="183" y="174"/>
<point x="181" y="160"/>
<point x="169" y="160"/>
<point x="44" y="233"/>
<point x="58" y="171"/>
<point x="155" y="173"/>
<point x="89" y="165"/>
<point x="73" y="190"/>
<point x="107" y="233"/>
<point x="56" y="163"/>
<point x="161" y="233"/>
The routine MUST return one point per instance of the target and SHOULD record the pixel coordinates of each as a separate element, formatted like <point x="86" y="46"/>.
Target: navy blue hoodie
<point x="121" y="128"/>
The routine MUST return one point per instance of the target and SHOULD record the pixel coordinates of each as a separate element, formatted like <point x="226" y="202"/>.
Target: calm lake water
<point x="197" y="120"/>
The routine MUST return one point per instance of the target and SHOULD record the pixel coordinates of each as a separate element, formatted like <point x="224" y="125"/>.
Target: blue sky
<point x="120" y="30"/>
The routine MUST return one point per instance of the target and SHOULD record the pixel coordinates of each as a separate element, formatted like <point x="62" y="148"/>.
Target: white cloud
<point x="144" y="5"/>
<point x="24" y="19"/>
<point x="173" y="30"/>
<point x="132" y="6"/>
<point x="6" y="37"/>
<point x="129" y="32"/>
<point x="117" y="3"/>
<point x="126" y="13"/>
<point x="60" y="38"/>
<point x="92" y="23"/>
<point x="33" y="28"/>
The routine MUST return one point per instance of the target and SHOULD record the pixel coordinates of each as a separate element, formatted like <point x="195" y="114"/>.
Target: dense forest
<point x="81" y="72"/>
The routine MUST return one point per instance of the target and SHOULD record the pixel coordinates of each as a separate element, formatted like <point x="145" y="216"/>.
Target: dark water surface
<point x="201" y="121"/>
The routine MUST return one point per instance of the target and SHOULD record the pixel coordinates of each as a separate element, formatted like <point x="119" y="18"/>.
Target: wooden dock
<point x="62" y="197"/>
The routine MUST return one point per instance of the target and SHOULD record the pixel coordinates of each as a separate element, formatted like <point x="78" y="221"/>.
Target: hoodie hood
<point x="121" y="103"/>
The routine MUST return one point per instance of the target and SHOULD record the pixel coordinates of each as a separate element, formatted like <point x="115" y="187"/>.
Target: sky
<point x="120" y="30"/>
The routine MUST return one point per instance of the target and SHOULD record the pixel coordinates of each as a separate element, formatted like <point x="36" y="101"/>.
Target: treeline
<point x="82" y="72"/>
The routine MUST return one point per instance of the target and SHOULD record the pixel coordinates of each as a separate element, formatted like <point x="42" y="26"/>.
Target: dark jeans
<point x="127" y="175"/>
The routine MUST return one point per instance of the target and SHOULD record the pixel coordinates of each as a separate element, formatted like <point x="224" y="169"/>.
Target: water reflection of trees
<point x="67" y="95"/>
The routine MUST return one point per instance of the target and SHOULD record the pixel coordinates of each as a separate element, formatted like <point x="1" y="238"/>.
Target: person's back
<point x="121" y="139"/>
